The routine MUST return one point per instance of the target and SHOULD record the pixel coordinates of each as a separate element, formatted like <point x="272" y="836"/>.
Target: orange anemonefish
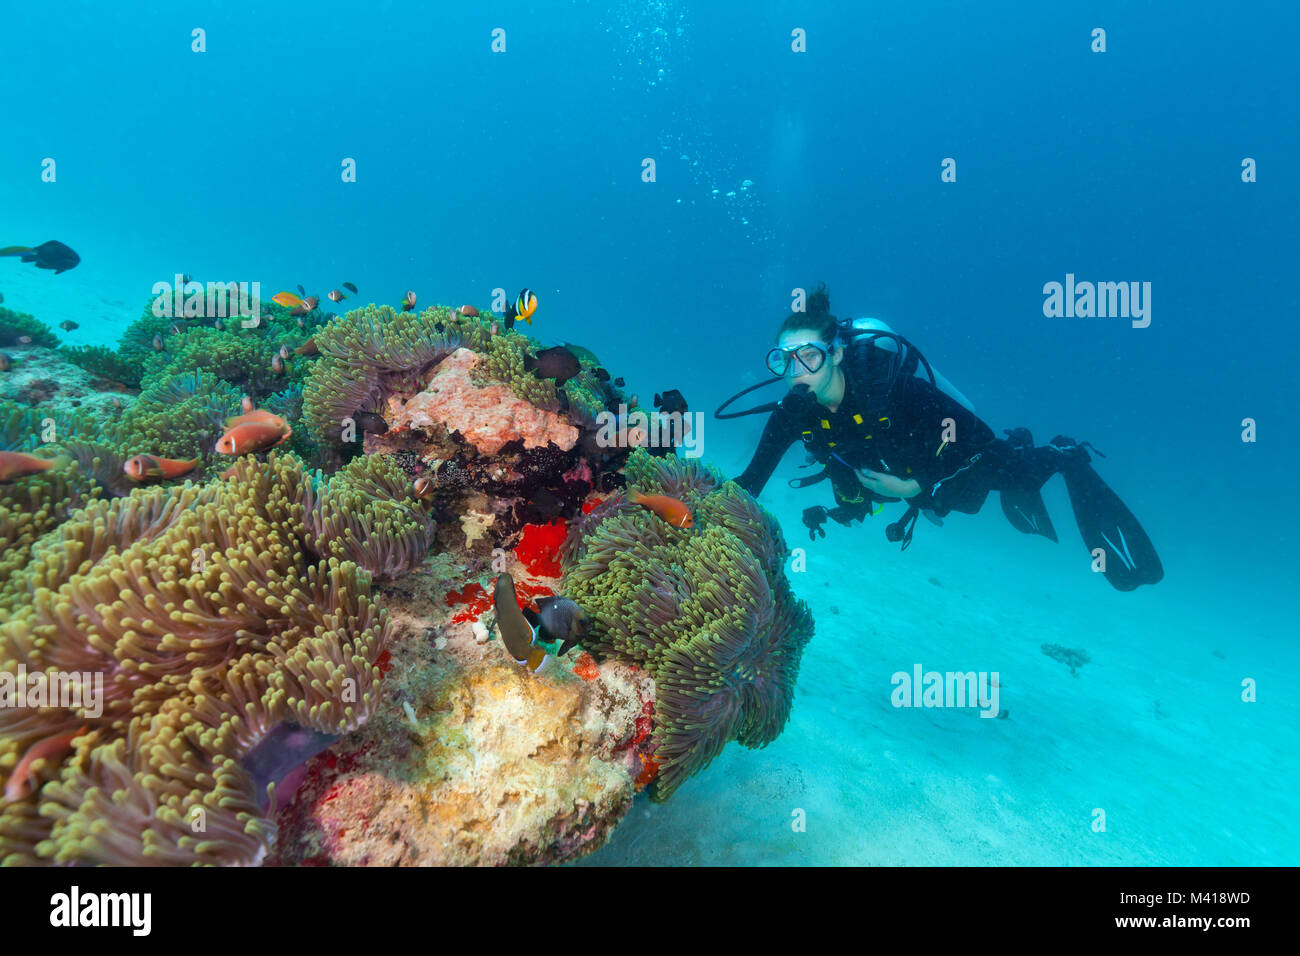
<point x="15" y="465"/>
<point x="523" y="308"/>
<point x="408" y="302"/>
<point x="336" y="295"/>
<point x="670" y="509"/>
<point x="257" y="415"/>
<point x="51" y="748"/>
<point x="516" y="633"/>
<point x="252" y="436"/>
<point x="153" y="468"/>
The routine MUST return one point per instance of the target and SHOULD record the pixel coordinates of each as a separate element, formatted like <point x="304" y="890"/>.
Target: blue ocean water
<point x="775" y="170"/>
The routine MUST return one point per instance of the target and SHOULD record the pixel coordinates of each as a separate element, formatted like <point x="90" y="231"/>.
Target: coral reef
<point x="43" y="376"/>
<point x="180" y="416"/>
<point x="369" y="352"/>
<point x="19" y="325"/>
<point x="708" y="612"/>
<point x="243" y="625"/>
<point x="211" y="623"/>
<point x="470" y="759"/>
<point x="104" y="365"/>
<point x="487" y="416"/>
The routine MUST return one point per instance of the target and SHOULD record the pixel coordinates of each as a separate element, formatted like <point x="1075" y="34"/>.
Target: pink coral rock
<point x="487" y="417"/>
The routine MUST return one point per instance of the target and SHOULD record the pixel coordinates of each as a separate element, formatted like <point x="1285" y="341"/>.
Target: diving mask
<point x="809" y="355"/>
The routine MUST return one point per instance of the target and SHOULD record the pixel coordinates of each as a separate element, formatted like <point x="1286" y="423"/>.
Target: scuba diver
<point x="887" y="427"/>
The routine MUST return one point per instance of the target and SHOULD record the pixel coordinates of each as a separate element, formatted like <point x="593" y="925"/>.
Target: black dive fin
<point x="1106" y="524"/>
<point x="1025" y="510"/>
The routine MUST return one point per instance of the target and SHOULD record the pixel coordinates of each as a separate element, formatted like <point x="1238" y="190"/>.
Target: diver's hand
<point x="813" y="519"/>
<point x="889" y="486"/>
<point x="799" y="400"/>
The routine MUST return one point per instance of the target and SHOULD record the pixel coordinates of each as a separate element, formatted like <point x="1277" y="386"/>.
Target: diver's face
<point x="797" y="373"/>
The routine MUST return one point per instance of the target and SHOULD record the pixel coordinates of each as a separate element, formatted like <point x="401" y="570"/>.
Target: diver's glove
<point x="800" y="400"/>
<point x="813" y="519"/>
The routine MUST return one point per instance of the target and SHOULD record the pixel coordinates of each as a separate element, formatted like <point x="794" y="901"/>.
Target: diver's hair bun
<point x="819" y="301"/>
<point x="816" y="316"/>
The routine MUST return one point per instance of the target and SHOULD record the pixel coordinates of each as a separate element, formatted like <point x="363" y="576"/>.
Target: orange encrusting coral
<point x="586" y="668"/>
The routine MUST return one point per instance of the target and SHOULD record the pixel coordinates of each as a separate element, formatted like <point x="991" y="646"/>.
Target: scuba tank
<point x="909" y="361"/>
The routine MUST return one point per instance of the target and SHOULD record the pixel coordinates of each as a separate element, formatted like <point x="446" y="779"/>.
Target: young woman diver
<point x="887" y="427"/>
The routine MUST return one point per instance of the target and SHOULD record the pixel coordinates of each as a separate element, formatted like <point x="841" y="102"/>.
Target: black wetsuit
<point x="901" y="431"/>
<point x="893" y="421"/>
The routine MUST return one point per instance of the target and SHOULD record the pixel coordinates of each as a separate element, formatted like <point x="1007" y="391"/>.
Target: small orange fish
<point x="252" y="436"/>
<point x="336" y="296"/>
<point x="6" y="363"/>
<point x="16" y="787"/>
<point x="153" y="468"/>
<point x="301" y="323"/>
<point x="246" y="404"/>
<point x="286" y="299"/>
<point x="15" y="465"/>
<point x="469" y="310"/>
<point x="670" y="509"/>
<point x="229" y="472"/>
<point x="408" y="303"/>
<point x="307" y="348"/>
<point x="284" y="352"/>
<point x="157" y="343"/>
<point x="423" y="487"/>
<point x="259" y="415"/>
<point x="277" y="364"/>
<point x="117" y="403"/>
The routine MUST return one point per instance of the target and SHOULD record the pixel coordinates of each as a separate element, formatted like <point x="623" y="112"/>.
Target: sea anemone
<point x="367" y="513"/>
<point x="212" y="624"/>
<point x="368" y="352"/>
<point x="708" y="612"/>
